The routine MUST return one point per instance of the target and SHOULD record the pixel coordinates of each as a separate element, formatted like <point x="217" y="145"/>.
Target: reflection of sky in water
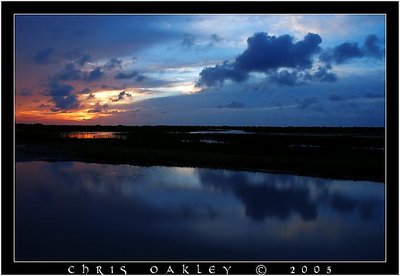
<point x="74" y="210"/>
<point x="93" y="135"/>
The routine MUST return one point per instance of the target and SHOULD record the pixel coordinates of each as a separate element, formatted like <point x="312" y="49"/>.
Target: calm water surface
<point x="93" y="135"/>
<point x="81" y="211"/>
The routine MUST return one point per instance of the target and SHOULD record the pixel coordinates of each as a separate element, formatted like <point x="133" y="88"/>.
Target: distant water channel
<point x="87" y="211"/>
<point x="92" y="135"/>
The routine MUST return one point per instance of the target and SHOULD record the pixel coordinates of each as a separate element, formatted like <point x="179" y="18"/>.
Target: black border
<point x="391" y="9"/>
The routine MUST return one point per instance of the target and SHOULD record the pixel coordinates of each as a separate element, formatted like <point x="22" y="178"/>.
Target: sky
<point x="228" y="69"/>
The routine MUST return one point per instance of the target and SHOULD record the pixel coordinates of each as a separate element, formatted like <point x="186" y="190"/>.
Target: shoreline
<point x="339" y="153"/>
<point x="150" y="157"/>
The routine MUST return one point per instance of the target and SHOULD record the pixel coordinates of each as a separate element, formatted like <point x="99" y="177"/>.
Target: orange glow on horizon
<point x="40" y="116"/>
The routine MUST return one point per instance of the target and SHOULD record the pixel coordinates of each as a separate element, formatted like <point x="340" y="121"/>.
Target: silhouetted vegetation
<point x="351" y="153"/>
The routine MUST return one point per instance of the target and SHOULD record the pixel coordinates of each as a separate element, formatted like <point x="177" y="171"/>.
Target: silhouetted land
<point x="346" y="153"/>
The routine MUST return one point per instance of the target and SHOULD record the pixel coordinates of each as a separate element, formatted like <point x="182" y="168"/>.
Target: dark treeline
<point x="351" y="153"/>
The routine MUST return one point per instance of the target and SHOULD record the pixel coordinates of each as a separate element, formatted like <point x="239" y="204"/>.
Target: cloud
<point x="76" y="56"/>
<point x="121" y="76"/>
<point x="71" y="72"/>
<point x="45" y="56"/>
<point x="120" y="96"/>
<point x="84" y="59"/>
<point x="188" y="40"/>
<point x="62" y="96"/>
<point x="98" y="108"/>
<point x="95" y="74"/>
<point x="286" y="62"/>
<point x="85" y="91"/>
<point x="25" y="92"/>
<point x="233" y="104"/>
<point x="351" y="50"/>
<point x="299" y="77"/>
<point x="214" y="40"/>
<point x="346" y="51"/>
<point x="285" y="77"/>
<point x="133" y="75"/>
<point x="323" y="74"/>
<point x="113" y="63"/>
<point x="266" y="54"/>
<point x="211" y="76"/>
<point x="91" y="96"/>
<point x="140" y="78"/>
<point x="371" y="47"/>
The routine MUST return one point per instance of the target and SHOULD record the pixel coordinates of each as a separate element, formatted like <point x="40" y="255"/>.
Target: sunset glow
<point x="173" y="70"/>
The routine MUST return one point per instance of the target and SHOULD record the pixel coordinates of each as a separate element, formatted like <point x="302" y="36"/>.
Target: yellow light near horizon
<point x="188" y="89"/>
<point x="182" y="88"/>
<point x="78" y="115"/>
<point x="107" y="96"/>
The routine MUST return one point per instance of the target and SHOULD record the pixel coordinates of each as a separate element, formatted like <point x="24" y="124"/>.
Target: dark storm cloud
<point x="211" y="76"/>
<point x="25" y="92"/>
<point x="266" y="54"/>
<point x="120" y="96"/>
<point x="44" y="56"/>
<point x="188" y="40"/>
<point x="287" y="62"/>
<point x="62" y="96"/>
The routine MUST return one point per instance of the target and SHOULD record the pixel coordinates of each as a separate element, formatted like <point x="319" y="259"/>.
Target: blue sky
<point x="264" y="70"/>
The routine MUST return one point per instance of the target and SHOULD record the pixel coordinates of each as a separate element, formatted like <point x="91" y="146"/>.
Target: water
<point x="82" y="211"/>
<point x="92" y="135"/>
<point x="221" y="131"/>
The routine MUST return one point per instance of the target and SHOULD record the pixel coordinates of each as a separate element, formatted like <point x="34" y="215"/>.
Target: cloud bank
<point x="286" y="62"/>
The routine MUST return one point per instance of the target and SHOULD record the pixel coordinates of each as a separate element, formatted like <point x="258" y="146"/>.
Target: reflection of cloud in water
<point x="279" y="196"/>
<point x="193" y="213"/>
<point x="189" y="191"/>
<point x="345" y="204"/>
<point x="266" y="200"/>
